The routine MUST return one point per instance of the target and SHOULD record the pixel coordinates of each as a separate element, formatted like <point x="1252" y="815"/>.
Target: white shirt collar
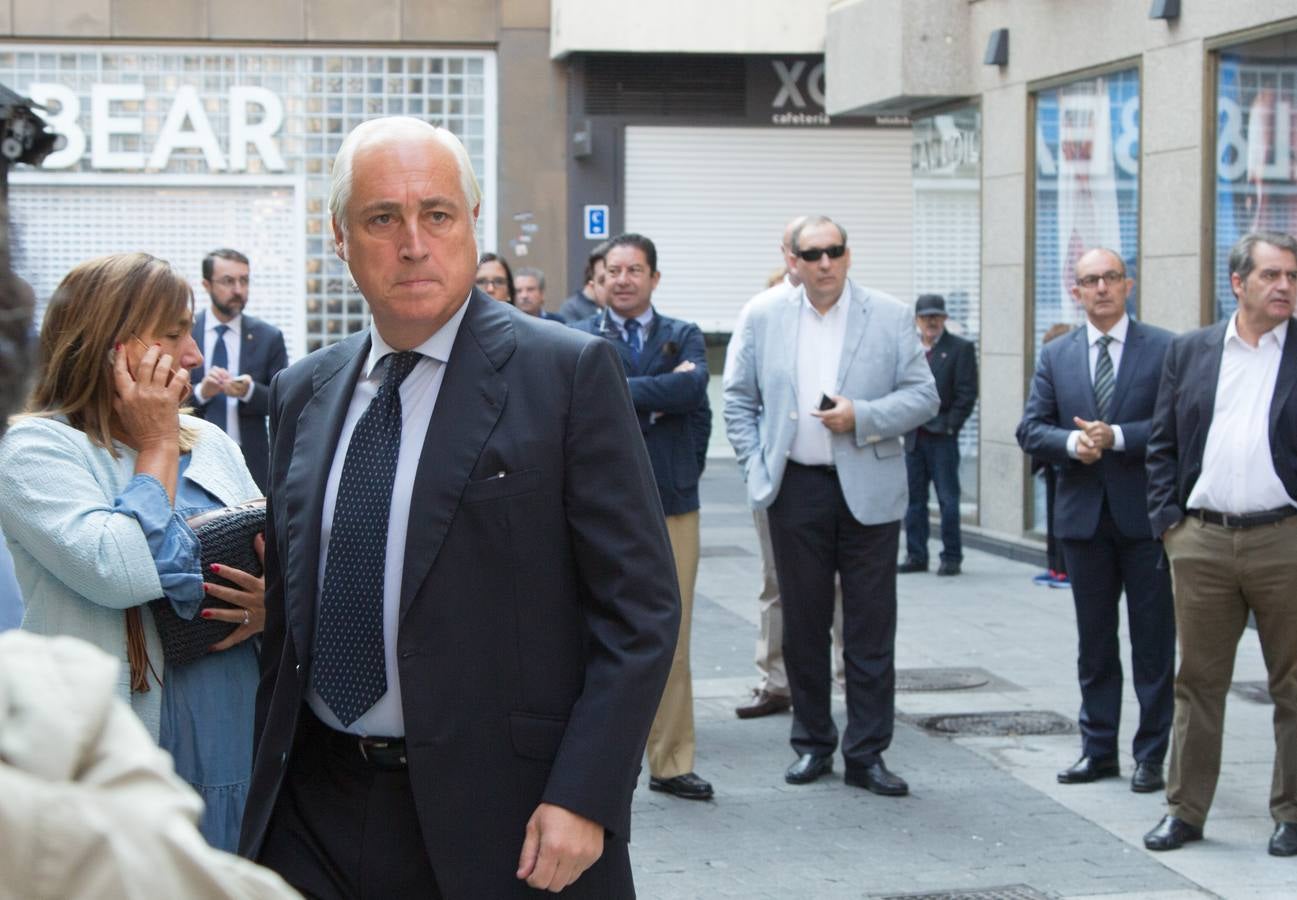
<point x="839" y="304"/>
<point x="1117" y="332"/>
<point x="1279" y="334"/>
<point x="437" y="347"/>
<point x="235" y="325"/>
<point x="643" y="318"/>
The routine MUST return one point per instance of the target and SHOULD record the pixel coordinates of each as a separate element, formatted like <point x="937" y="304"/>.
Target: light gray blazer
<point x="882" y="371"/>
<point x="79" y="563"/>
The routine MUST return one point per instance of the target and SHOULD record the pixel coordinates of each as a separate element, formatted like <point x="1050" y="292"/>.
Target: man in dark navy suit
<point x="666" y="367"/>
<point x="240" y="356"/>
<point x="1089" y="411"/>
<point x="932" y="449"/>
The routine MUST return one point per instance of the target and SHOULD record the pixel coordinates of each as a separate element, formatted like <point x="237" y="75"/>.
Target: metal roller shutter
<point x="715" y="200"/>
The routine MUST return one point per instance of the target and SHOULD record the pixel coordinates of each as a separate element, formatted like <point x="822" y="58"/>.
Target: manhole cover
<point x="941" y="679"/>
<point x="995" y="724"/>
<point x="1008" y="892"/>
<point x="723" y="550"/>
<point x="1256" y="691"/>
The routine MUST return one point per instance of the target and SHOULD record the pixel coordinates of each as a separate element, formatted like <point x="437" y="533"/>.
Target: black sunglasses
<point x="814" y="253"/>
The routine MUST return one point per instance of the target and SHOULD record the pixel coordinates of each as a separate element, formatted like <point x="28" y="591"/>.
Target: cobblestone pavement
<point x="984" y="812"/>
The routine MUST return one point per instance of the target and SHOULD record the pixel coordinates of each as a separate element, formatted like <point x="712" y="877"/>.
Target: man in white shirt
<point x="825" y="383"/>
<point x="1222" y="493"/>
<point x="241" y="354"/>
<point x="1091" y="403"/>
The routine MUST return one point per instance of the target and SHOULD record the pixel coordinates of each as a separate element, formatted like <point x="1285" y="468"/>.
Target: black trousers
<point x="342" y="828"/>
<point x="815" y="538"/>
<point x="1100" y="568"/>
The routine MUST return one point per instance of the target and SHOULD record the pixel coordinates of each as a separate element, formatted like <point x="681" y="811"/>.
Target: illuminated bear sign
<point x="186" y="126"/>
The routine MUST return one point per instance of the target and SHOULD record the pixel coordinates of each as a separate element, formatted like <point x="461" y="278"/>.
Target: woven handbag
<point x="225" y="536"/>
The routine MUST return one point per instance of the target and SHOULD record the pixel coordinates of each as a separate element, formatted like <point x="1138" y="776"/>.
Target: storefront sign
<point x="788" y="92"/>
<point x="255" y="117"/>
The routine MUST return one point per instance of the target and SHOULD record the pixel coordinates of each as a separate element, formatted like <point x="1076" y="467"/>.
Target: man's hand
<point x="557" y="847"/>
<point x="1100" y="433"/>
<point x="1086" y="450"/>
<point x="237" y="386"/>
<point x="213" y="382"/>
<point x="840" y="418"/>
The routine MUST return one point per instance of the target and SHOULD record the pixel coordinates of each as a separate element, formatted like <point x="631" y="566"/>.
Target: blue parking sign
<point x="596" y="222"/>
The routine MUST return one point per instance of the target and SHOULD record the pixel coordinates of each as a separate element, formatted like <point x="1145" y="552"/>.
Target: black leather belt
<point x="1248" y="520"/>
<point x="828" y="468"/>
<point x="386" y="753"/>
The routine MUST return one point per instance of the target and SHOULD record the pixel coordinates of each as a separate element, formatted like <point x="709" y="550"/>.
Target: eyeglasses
<point x="229" y="281"/>
<point x="1111" y="278"/>
<point x="813" y="254"/>
<point x="485" y="282"/>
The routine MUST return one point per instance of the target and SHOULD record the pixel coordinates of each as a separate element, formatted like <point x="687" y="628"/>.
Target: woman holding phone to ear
<point x="101" y="473"/>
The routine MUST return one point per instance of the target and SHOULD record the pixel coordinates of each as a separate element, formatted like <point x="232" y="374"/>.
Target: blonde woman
<point x="100" y="474"/>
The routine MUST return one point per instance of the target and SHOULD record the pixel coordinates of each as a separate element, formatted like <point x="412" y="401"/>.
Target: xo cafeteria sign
<point x="255" y="114"/>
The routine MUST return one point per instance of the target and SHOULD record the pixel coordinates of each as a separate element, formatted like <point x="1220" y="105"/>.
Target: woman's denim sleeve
<point x="175" y="548"/>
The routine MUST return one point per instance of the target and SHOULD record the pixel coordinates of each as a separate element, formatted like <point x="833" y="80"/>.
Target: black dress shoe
<point x="687" y="786"/>
<point x="948" y="567"/>
<point x="912" y="565"/>
<point x="1284" y="840"/>
<point x="1089" y="768"/>
<point x="1172" y="834"/>
<point x="809" y="767"/>
<point x="1147" y="778"/>
<point x="763" y="703"/>
<point x="878" y="779"/>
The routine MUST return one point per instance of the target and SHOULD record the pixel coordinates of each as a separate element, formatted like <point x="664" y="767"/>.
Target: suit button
<point x="298" y="668"/>
<point x="283" y="758"/>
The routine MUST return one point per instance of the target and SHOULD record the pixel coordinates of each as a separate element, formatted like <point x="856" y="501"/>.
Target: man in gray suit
<point x="825" y="384"/>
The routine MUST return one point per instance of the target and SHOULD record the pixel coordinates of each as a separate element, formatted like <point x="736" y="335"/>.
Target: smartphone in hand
<point x="826" y="403"/>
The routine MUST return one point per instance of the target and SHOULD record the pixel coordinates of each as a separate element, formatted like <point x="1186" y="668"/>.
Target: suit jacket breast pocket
<point x="497" y="487"/>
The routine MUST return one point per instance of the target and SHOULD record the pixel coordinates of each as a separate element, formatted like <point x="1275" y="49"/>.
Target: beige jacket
<point x="91" y="807"/>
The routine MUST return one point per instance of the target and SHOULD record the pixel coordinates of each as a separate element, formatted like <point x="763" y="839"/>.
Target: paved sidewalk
<point x="984" y="812"/>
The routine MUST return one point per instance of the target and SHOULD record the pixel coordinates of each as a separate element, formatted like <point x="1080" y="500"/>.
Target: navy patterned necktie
<point x="1103" y="379"/>
<point x="349" y="671"/>
<point x="634" y="339"/>
<point x="220" y="360"/>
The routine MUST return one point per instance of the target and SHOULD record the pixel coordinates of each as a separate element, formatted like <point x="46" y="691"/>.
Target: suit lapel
<point x="250" y="346"/>
<point x="1211" y="351"/>
<point x="858" y="309"/>
<point x="1130" y="360"/>
<point x="469" y="403"/>
<point x="318" y="426"/>
<point x="1081" y="365"/>
<point x="657" y="338"/>
<point x="787" y="326"/>
<point x="1283" y="385"/>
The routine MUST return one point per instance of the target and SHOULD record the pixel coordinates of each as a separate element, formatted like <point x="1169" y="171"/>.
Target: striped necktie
<point x="1103" y="379"/>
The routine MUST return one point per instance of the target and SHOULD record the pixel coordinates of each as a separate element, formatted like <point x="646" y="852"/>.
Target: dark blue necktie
<point x="349" y="669"/>
<point x="220" y="359"/>
<point x="634" y="339"/>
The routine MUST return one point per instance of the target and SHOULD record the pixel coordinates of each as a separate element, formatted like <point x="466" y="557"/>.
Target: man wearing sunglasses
<point x="824" y="384"/>
<point x="240" y="356"/>
<point x="1089" y="413"/>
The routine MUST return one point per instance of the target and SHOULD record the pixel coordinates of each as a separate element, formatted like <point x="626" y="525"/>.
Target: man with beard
<point x="240" y="356"/>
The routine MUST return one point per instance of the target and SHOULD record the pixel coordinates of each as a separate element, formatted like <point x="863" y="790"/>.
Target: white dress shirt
<point x="819" y="352"/>
<point x="233" y="339"/>
<point x="418" y="399"/>
<point x="1238" y="475"/>
<point x="645" y="319"/>
<point x="1115" y="348"/>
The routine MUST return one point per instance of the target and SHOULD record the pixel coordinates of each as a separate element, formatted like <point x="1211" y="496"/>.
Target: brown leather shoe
<point x="763" y="703"/>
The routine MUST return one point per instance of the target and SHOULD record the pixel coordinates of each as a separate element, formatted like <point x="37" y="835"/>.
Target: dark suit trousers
<point x="1099" y="569"/>
<point x="343" y="829"/>
<point x="814" y="536"/>
<point x="935" y="459"/>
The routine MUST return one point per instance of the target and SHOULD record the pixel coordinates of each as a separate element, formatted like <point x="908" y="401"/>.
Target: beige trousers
<point x="770" y="642"/>
<point x="671" y="739"/>
<point x="1219" y="575"/>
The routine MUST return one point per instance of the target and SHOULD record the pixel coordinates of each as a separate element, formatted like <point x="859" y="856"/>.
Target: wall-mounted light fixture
<point x="1165" y="9"/>
<point x="997" y="48"/>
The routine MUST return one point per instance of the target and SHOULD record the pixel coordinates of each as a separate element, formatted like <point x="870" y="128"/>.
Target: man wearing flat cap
<point x="932" y="449"/>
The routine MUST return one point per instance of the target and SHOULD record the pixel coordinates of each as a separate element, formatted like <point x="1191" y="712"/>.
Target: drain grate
<point x="941" y="679"/>
<point x="1256" y="691"/>
<point x="1007" y="892"/>
<point x="995" y="724"/>
<point x="717" y="550"/>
